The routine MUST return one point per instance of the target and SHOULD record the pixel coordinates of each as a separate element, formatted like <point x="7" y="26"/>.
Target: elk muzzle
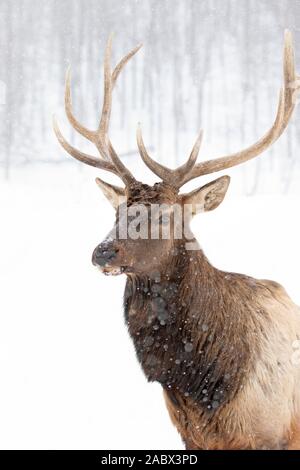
<point x="104" y="253"/>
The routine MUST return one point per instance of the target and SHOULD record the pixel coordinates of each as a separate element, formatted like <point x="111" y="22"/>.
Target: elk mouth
<point x="114" y="270"/>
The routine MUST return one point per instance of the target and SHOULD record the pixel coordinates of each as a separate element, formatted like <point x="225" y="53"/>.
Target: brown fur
<point x="220" y="344"/>
<point x="234" y="389"/>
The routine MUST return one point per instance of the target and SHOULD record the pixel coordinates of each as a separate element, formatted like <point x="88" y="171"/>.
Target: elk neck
<point x="182" y="335"/>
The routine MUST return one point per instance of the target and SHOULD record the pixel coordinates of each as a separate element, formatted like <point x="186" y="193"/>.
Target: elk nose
<point x="103" y="253"/>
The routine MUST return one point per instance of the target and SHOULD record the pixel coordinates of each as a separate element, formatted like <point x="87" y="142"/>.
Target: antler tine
<point x="102" y="130"/>
<point x="184" y="170"/>
<point x="102" y="139"/>
<point x="82" y="157"/>
<point x="118" y="68"/>
<point x="290" y="77"/>
<point x="173" y="177"/>
<point x="160" y="170"/>
<point x="94" y="136"/>
<point x="285" y="109"/>
<point x="110" y="160"/>
<point x="88" y="134"/>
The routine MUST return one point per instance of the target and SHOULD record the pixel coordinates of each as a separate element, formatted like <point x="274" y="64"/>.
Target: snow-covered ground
<point x="68" y="372"/>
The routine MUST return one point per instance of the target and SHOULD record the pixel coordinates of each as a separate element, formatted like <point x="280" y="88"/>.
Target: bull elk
<point x="220" y="344"/>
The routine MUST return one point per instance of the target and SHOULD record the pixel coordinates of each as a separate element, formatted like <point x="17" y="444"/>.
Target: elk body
<point x="220" y="344"/>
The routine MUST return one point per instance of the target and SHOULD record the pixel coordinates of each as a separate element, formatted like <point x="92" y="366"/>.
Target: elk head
<point x="120" y="252"/>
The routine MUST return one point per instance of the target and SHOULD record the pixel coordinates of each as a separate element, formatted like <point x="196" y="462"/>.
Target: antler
<point x="110" y="160"/>
<point x="285" y="109"/>
<point x="173" y="177"/>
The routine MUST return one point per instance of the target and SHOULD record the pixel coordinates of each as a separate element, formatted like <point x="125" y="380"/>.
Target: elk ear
<point x="208" y="197"/>
<point x="114" y="194"/>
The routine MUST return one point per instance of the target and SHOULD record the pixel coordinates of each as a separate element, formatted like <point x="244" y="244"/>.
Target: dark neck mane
<point x="182" y="334"/>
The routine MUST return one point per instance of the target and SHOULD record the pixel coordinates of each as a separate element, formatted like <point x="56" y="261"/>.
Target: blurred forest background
<point x="212" y="64"/>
